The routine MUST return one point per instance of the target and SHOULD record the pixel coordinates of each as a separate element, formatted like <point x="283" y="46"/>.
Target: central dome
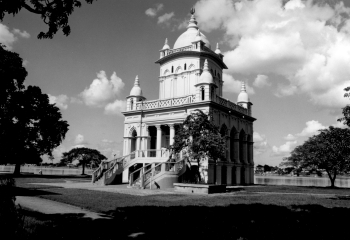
<point x="188" y="37"/>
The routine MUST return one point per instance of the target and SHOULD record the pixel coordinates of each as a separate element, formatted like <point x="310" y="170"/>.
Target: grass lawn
<point x="248" y="214"/>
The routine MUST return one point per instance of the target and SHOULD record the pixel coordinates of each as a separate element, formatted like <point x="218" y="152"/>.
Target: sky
<point x="293" y="55"/>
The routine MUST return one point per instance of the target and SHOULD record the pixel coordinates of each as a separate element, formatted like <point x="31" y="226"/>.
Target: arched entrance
<point x="241" y="147"/>
<point x="243" y="176"/>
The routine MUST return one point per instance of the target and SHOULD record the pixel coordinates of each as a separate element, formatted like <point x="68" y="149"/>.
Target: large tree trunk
<point x="83" y="173"/>
<point x="332" y="178"/>
<point x="17" y="169"/>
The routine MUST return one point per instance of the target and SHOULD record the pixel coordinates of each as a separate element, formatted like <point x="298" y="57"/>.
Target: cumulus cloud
<point x="290" y="137"/>
<point x="234" y="86"/>
<point x="102" y="90"/>
<point x="165" y="18"/>
<point x="261" y="81"/>
<point x="8" y="37"/>
<point x="115" y="108"/>
<point x="305" y="42"/>
<point x="60" y="101"/>
<point x="260" y="143"/>
<point x="152" y="12"/>
<point x="311" y="128"/>
<point x="79" y="139"/>
<point x="284" y="149"/>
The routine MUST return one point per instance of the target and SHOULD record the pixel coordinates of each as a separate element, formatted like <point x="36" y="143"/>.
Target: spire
<point x="166" y="45"/>
<point x="136" y="90"/>
<point x="217" y="51"/>
<point x="192" y="23"/>
<point x="206" y="66"/>
<point x="243" y="87"/>
<point x="137" y="83"/>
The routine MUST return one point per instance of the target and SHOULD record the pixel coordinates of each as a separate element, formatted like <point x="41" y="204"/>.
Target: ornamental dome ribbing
<point x="206" y="76"/>
<point x="243" y="95"/>
<point x="189" y="36"/>
<point x="136" y="90"/>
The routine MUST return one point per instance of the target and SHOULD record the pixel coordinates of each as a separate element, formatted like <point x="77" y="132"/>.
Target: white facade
<point x="190" y="78"/>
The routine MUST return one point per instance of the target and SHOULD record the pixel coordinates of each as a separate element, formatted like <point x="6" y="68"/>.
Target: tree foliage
<point x="346" y="109"/>
<point x="84" y="156"/>
<point x="329" y="151"/>
<point x="200" y="138"/>
<point x="29" y="125"/>
<point x="54" y="13"/>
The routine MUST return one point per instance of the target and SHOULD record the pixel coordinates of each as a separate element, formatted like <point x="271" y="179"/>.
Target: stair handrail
<point x="147" y="174"/>
<point x="122" y="161"/>
<point x="107" y="164"/>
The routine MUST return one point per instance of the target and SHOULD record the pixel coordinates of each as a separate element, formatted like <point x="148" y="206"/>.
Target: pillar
<point x="172" y="134"/>
<point x="245" y="147"/>
<point x="211" y="174"/>
<point x="247" y="174"/>
<point x="218" y="175"/>
<point x="236" y="148"/>
<point x="238" y="175"/>
<point x="228" y="145"/>
<point x="159" y="140"/>
<point x="252" y="175"/>
<point x="229" y="175"/>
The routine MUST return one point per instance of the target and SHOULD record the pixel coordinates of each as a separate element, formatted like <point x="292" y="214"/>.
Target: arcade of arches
<point x="237" y="169"/>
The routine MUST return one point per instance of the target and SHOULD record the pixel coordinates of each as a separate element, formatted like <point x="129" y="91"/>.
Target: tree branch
<point x="30" y="9"/>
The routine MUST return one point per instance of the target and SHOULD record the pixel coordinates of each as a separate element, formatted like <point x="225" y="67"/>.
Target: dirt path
<point x="52" y="207"/>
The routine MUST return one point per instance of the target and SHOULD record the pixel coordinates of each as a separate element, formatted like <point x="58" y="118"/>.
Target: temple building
<point x="190" y="78"/>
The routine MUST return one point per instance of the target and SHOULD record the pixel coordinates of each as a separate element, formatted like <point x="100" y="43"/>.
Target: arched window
<point x="202" y="93"/>
<point x="172" y="69"/>
<point x="212" y="93"/>
<point x="185" y="66"/>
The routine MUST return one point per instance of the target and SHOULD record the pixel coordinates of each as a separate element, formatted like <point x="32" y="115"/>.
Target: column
<point x="159" y="140"/>
<point x="252" y="175"/>
<point x="228" y="144"/>
<point x="236" y="148"/>
<point x="238" y="175"/>
<point x="251" y="152"/>
<point x="229" y="175"/>
<point x="172" y="134"/>
<point x="247" y="174"/>
<point x="218" y="175"/>
<point x="244" y="155"/>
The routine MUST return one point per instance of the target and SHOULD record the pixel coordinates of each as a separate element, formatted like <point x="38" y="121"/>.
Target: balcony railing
<point x="231" y="105"/>
<point x="161" y="103"/>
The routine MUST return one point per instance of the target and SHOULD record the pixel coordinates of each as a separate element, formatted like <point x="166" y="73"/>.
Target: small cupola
<point x="243" y="99"/>
<point x="166" y="45"/>
<point x="136" y="90"/>
<point x="135" y="96"/>
<point x="205" y="88"/>
<point x="217" y="50"/>
<point x="206" y="76"/>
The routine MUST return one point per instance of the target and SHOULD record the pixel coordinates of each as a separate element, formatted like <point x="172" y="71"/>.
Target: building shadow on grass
<point x="253" y="221"/>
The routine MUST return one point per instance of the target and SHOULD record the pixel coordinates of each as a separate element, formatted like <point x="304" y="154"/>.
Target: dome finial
<point x="137" y="82"/>
<point x="166" y="45"/>
<point x="192" y="11"/>
<point x="192" y="23"/>
<point x="217" y="51"/>
<point x="243" y="89"/>
<point x="206" y="65"/>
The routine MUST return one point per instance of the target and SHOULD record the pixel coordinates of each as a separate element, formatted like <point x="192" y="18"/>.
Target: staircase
<point x="111" y="171"/>
<point x="158" y="176"/>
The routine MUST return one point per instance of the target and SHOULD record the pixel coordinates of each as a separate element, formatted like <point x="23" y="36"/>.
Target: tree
<point x="200" y="138"/>
<point x="54" y="13"/>
<point x="329" y="151"/>
<point x="84" y="156"/>
<point x="29" y="125"/>
<point x="346" y="109"/>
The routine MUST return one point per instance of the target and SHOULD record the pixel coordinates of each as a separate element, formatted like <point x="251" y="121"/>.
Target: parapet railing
<point x="160" y="103"/>
<point x="231" y="105"/>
